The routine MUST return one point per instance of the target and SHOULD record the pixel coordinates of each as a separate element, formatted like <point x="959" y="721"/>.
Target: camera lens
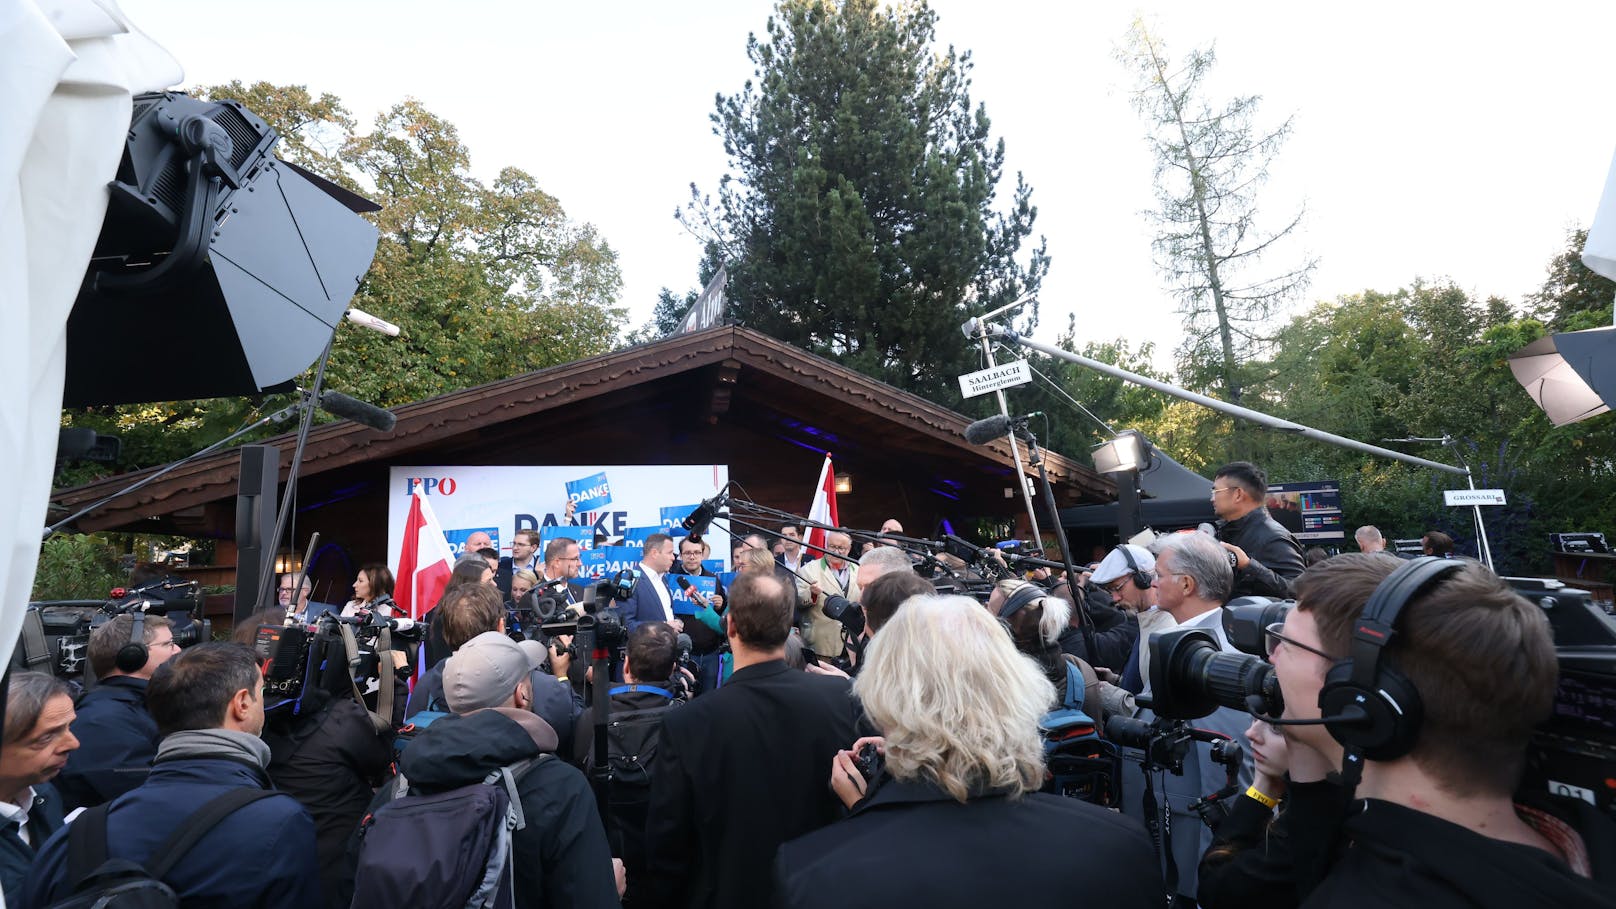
<point x="1128" y="732"/>
<point x="1191" y="677"/>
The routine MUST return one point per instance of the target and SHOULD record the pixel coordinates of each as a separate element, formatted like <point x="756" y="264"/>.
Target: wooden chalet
<point x="723" y="395"/>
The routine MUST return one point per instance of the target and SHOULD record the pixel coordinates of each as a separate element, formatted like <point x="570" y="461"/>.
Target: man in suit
<point x="651" y="600"/>
<point x="524" y="554"/>
<point x="832" y="575"/>
<point x="743" y="769"/>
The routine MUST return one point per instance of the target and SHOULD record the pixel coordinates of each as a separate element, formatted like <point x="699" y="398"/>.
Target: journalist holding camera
<point x="1426" y="679"/>
<point x="956" y="819"/>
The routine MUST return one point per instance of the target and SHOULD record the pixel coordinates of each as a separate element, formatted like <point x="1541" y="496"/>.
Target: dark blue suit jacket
<point x="644" y="605"/>
<point x="117" y="742"/>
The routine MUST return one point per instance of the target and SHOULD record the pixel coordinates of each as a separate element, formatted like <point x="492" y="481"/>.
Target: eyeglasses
<point x="1273" y="637"/>
<point x="1115" y="587"/>
<point x="1218" y="489"/>
<point x="167" y="643"/>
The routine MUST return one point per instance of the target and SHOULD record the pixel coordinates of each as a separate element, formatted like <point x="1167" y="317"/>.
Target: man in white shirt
<point x="791" y="556"/>
<point x="652" y="601"/>
<point x="38" y="739"/>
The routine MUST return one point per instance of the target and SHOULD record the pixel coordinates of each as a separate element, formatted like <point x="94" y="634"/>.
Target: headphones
<point x="1381" y="710"/>
<point x="132" y="656"/>
<point x="1014" y="603"/>
<point x="1141" y="579"/>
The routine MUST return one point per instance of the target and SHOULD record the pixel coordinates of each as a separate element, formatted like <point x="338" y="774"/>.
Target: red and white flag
<point x="823" y="511"/>
<point x="424" y="562"/>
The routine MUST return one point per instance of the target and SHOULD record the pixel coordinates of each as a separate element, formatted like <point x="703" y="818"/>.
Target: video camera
<point x="544" y="604"/>
<point x="1570" y="754"/>
<point x="55" y="635"/>
<point x="601" y="624"/>
<point x="300" y="658"/>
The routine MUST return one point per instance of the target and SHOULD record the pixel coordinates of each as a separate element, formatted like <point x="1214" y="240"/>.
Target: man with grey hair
<point x="1369" y="539"/>
<point x="38" y="741"/>
<point x="833" y="575"/>
<point x="1193" y="581"/>
<point x="880" y="561"/>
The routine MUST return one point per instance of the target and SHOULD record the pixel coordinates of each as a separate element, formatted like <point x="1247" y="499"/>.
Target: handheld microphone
<point x="984" y="431"/>
<point x="338" y="404"/>
<point x="690" y="590"/>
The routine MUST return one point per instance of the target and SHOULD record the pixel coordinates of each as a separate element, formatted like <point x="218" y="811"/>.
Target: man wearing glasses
<point x="563" y="562"/>
<point x="1265" y="557"/>
<point x="118" y="738"/>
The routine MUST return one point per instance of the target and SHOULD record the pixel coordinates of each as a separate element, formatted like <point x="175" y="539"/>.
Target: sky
<point x="1430" y="140"/>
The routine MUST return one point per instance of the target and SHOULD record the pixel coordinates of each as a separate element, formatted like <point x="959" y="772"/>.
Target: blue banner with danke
<point x="590" y="493"/>
<point x="682" y="604"/>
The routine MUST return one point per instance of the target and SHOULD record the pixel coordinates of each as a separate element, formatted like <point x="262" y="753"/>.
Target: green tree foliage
<point x="77" y="567"/>
<point x="486" y="280"/>
<point x="1573" y="297"/>
<point x="860" y="219"/>
<point x="1210" y="244"/>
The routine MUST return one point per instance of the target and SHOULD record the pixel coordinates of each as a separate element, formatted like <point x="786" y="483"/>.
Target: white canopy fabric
<point x="1599" y="253"/>
<point x="69" y="68"/>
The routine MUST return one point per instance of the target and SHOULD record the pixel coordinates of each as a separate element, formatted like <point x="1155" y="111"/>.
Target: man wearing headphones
<point x="118" y="738"/>
<point x="1128" y="575"/>
<point x="1425" y="679"/>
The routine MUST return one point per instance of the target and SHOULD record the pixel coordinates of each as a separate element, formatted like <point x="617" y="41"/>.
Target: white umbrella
<point x="69" y="68"/>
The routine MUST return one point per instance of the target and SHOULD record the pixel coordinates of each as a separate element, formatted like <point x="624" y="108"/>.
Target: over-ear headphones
<point x="132" y="656"/>
<point x="1014" y="603"/>
<point x="1386" y="707"/>
<point x="1142" y="579"/>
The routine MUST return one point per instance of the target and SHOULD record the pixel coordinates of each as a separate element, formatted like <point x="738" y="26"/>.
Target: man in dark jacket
<point x="706" y="645"/>
<point x="118" y="737"/>
<point x="1435" y="824"/>
<point x="37" y="742"/>
<point x="209" y="707"/>
<point x="1266" y="557"/>
<point x="560" y="856"/>
<point x="466" y="612"/>
<point x="743" y="769"/>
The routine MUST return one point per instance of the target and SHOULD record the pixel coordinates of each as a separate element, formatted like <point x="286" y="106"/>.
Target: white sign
<point x="1474" y="496"/>
<point x="502" y="500"/>
<point x="1005" y="375"/>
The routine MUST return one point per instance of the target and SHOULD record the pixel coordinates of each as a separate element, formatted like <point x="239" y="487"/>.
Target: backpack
<point x="632" y="737"/>
<point x="101" y="882"/>
<point x="446" y="850"/>
<point x="1081" y="764"/>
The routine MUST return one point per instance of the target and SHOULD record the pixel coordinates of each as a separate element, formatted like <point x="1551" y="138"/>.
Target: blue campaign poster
<point x="457" y="537"/>
<point x="584" y="535"/>
<point x="682" y="604"/>
<point x="590" y="493"/>
<point x="593" y="563"/>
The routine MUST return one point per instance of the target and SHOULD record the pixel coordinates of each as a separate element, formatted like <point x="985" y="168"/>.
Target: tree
<point x="1573" y="296"/>
<point x="485" y="280"/>
<point x="1210" y="164"/>
<point x="859" y="218"/>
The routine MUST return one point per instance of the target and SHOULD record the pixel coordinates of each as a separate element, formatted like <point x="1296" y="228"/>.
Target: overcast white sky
<point x="1431" y="139"/>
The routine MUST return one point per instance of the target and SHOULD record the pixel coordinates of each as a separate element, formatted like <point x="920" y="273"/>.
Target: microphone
<point x="690" y="590"/>
<point x="696" y="522"/>
<point x="984" y="431"/>
<point x="338" y="404"/>
<point x="1352" y="716"/>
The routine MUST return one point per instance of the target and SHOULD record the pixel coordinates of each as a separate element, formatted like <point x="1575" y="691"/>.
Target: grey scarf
<point x="215" y="743"/>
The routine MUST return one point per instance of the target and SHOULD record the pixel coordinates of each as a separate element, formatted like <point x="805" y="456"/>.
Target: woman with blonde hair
<point x="955" y="817"/>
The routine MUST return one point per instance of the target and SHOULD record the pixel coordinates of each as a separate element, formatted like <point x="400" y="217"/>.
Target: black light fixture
<point x="220" y="270"/>
<point x="1571" y="374"/>
<point x="1129" y="450"/>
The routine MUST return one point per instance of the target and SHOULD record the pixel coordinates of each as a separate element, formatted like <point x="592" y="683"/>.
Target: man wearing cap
<point x="1128" y="575"/>
<point x="560" y="856"/>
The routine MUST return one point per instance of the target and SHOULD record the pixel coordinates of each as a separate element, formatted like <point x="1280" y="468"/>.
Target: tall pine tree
<point x="859" y="218"/>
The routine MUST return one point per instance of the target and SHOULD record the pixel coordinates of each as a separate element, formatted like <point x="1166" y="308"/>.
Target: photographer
<point x="1192" y="582"/>
<point x="637" y="707"/>
<point x="469" y="610"/>
<point x="1460" y="675"/>
<point x="963" y="763"/>
<point x="117" y="736"/>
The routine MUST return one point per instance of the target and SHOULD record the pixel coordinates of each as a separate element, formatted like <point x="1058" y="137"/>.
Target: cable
<point x="1055" y="387"/>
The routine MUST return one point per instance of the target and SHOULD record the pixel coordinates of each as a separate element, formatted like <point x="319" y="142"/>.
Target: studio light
<point x="1571" y="375"/>
<point x="1128" y="451"/>
<point x="220" y="270"/>
<point x="844" y="484"/>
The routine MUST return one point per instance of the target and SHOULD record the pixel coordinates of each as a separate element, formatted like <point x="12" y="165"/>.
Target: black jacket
<point x="117" y="742"/>
<point x="702" y="638"/>
<point x="911" y="844"/>
<point x="1115" y="635"/>
<point x="16" y="856"/>
<point x="740" y="771"/>
<point x="560" y="856"/>
<point x="1275" y="556"/>
<point x="1401" y="857"/>
<point x="555" y="701"/>
<point x="330" y="760"/>
<point x="1249" y="865"/>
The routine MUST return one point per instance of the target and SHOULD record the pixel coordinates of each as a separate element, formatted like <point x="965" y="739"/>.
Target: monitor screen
<point x="1310" y="511"/>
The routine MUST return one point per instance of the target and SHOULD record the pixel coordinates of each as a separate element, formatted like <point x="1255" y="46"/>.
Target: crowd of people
<point x="827" y="729"/>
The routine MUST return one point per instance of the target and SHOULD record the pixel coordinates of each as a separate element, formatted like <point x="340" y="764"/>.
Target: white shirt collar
<point x="18" y="814"/>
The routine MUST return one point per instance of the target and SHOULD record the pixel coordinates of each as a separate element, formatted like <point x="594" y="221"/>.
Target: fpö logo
<point x="441" y="486"/>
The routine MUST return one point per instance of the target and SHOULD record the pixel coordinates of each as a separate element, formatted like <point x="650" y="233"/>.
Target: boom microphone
<point x="696" y="522"/>
<point x="984" y="431"/>
<point x="338" y="404"/>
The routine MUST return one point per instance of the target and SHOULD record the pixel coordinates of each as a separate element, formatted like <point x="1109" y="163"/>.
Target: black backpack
<point x="444" y="850"/>
<point x="101" y="882"/>
<point x="631" y="747"/>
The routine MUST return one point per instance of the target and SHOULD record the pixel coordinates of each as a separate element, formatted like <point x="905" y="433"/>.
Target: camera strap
<point x="382" y="720"/>
<point x="1159" y="823"/>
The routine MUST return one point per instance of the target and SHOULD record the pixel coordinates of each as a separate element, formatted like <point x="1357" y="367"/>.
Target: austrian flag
<point x="823" y="511"/>
<point x="425" y="560"/>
